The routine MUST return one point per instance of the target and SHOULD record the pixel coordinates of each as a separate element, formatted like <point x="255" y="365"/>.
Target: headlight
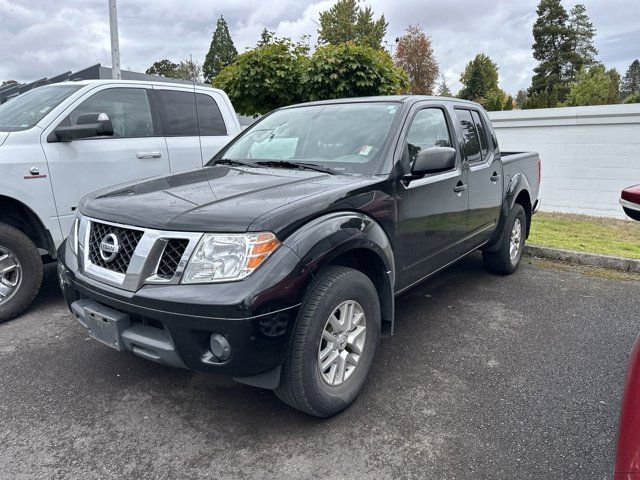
<point x="73" y="236"/>
<point x="222" y="258"/>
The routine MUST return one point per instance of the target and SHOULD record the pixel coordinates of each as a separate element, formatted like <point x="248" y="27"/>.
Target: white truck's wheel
<point x="20" y="272"/>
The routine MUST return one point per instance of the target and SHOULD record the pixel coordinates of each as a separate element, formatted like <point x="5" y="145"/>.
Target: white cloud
<point x="44" y="37"/>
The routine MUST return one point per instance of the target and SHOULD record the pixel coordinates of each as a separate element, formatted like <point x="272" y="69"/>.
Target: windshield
<point x="348" y="137"/>
<point x="24" y="111"/>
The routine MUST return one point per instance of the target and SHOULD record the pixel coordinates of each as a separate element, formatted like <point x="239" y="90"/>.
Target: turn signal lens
<point x="264" y="245"/>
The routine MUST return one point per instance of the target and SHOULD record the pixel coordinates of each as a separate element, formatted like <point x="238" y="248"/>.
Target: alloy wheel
<point x="342" y="343"/>
<point x="10" y="274"/>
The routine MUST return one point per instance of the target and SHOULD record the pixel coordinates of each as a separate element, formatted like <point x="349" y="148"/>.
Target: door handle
<point x="460" y="187"/>
<point x="495" y="177"/>
<point x="143" y="155"/>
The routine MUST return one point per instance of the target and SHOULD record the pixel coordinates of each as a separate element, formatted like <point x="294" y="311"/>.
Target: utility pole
<point x="115" y="47"/>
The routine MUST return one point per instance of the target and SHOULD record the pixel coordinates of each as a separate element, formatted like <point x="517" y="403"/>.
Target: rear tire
<point x="337" y="295"/>
<point x="20" y="272"/>
<point x="507" y="258"/>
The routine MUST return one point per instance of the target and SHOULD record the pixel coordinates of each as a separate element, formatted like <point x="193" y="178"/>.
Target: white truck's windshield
<point x="24" y="111"/>
<point x="346" y="137"/>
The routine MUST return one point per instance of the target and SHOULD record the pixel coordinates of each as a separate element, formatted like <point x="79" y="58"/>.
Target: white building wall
<point x="588" y="154"/>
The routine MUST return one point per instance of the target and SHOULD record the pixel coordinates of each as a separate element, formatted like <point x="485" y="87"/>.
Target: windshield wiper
<point x="303" y="165"/>
<point x="228" y="161"/>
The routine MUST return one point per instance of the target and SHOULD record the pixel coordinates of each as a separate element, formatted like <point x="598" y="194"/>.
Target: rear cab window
<point x="189" y="114"/>
<point x="210" y="119"/>
<point x="470" y="135"/>
<point x="482" y="133"/>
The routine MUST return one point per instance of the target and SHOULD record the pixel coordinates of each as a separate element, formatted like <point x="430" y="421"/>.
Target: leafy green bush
<point x="265" y="78"/>
<point x="592" y="87"/>
<point x="633" y="98"/>
<point x="350" y="70"/>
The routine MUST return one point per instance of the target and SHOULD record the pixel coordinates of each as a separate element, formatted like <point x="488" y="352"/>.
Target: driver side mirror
<point x="88" y="125"/>
<point x="434" y="160"/>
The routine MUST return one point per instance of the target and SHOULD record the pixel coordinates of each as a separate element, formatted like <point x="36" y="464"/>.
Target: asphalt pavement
<point x="486" y="377"/>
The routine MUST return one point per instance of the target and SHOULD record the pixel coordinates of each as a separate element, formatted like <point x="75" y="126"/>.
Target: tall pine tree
<point x="552" y="49"/>
<point x="479" y="79"/>
<point x="631" y="82"/>
<point x="222" y="51"/>
<point x="346" y="21"/>
<point x="581" y="35"/>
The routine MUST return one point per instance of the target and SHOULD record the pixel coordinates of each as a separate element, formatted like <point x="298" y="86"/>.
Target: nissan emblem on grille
<point x="109" y="247"/>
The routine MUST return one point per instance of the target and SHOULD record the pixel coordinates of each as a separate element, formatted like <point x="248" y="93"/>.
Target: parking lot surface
<point x="485" y="377"/>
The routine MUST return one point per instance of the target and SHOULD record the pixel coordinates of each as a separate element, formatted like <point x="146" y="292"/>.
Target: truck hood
<point x="3" y="137"/>
<point x="220" y="198"/>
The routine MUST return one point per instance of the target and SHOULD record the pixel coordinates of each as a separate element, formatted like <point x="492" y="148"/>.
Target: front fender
<point x="326" y="238"/>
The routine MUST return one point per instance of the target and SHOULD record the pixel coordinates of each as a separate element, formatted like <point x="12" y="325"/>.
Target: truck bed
<point x="526" y="163"/>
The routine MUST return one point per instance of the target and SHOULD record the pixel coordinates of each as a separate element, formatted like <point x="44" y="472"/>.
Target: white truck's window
<point x="180" y="118"/>
<point x="24" y="111"/>
<point x="429" y="129"/>
<point x="128" y="109"/>
<point x="210" y="119"/>
<point x="471" y="142"/>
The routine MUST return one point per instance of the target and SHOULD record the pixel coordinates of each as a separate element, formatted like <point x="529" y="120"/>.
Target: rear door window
<point x="210" y="119"/>
<point x="180" y="119"/>
<point x="482" y="133"/>
<point x="471" y="141"/>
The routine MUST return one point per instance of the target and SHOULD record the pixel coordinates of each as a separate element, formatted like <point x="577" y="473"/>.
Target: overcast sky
<point x="40" y="38"/>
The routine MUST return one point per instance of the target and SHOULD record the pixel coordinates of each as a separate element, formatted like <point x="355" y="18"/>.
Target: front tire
<point x="507" y="258"/>
<point x="334" y="343"/>
<point x="20" y="272"/>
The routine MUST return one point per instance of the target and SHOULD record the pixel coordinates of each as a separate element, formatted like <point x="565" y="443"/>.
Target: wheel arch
<point x="354" y="240"/>
<point x="20" y="216"/>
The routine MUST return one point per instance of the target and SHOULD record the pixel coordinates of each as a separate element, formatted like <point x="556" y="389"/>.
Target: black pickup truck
<point x="278" y="264"/>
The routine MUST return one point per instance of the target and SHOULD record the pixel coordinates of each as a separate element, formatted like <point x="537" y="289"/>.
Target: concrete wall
<point x="588" y="153"/>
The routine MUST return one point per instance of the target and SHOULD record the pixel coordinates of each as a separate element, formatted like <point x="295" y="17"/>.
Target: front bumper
<point x="172" y="324"/>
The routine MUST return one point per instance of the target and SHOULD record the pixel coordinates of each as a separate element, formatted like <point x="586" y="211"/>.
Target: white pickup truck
<point x="60" y="142"/>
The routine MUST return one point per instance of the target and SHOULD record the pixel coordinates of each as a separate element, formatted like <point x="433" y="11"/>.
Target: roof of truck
<point x="135" y="82"/>
<point x="388" y="98"/>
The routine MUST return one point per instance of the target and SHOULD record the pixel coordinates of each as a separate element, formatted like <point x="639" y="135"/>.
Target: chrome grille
<point x="127" y="238"/>
<point x="171" y="257"/>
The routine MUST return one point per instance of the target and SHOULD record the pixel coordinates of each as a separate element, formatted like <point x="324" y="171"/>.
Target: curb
<point x="589" y="259"/>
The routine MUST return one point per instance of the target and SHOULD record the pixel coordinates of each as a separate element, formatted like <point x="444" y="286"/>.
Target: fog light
<point x="220" y="347"/>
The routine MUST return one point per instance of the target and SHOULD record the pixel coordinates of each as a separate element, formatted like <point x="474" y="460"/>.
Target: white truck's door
<point x="177" y="107"/>
<point x="137" y="149"/>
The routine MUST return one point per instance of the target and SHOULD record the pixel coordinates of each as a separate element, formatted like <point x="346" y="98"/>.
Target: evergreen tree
<point x="581" y="35"/>
<point x="222" y="51"/>
<point x="614" y="86"/>
<point x="266" y="36"/>
<point x="631" y="81"/>
<point x="347" y="22"/>
<point x="552" y="49"/>
<point x="521" y="98"/>
<point x="414" y="54"/>
<point x="479" y="78"/>
<point x="443" y="88"/>
<point x="508" y="104"/>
